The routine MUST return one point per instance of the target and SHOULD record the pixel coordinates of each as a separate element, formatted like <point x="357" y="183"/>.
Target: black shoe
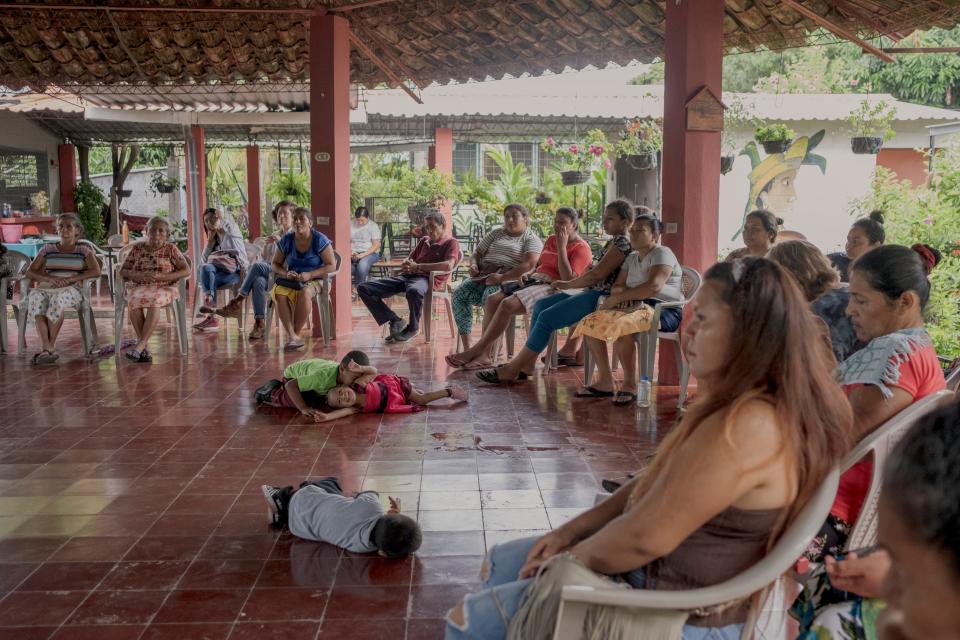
<point x="610" y="486"/>
<point x="277" y="500"/>
<point x="265" y="392"/>
<point x="145" y="357"/>
<point x="396" y="327"/>
<point x="407" y="334"/>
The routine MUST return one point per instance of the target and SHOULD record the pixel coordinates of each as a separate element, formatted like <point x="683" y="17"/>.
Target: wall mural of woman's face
<point x="781" y="195"/>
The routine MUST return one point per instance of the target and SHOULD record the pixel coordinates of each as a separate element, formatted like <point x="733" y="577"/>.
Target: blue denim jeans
<point x="564" y="310"/>
<point x="360" y="270"/>
<point x="255" y="286"/>
<point x="487" y="613"/>
<point x="212" y="279"/>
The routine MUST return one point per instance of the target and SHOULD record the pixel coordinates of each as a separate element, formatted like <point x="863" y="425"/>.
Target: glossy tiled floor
<point x="130" y="504"/>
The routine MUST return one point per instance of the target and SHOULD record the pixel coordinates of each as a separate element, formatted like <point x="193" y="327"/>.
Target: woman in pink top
<point x="565" y="255"/>
<point x="889" y="287"/>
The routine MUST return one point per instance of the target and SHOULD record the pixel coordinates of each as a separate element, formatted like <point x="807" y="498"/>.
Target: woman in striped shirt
<point x="502" y="255"/>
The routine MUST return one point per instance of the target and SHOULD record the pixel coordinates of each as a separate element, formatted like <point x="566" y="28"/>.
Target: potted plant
<point x="734" y="117"/>
<point x="578" y="159"/>
<point x="290" y="186"/>
<point x="869" y="126"/>
<point x="160" y="183"/>
<point x="428" y="189"/>
<point x="89" y="201"/>
<point x="543" y="198"/>
<point x="640" y="142"/>
<point x="775" y="138"/>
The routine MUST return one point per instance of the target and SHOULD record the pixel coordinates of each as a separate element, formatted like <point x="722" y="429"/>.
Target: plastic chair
<point x="881" y="443"/>
<point x="88" y="325"/>
<point x="105" y="261"/>
<point x="19" y="263"/>
<point x="953" y="378"/>
<point x="178" y="307"/>
<point x="767" y="573"/>
<point x="647" y="342"/>
<point x="321" y="299"/>
<point x="444" y="294"/>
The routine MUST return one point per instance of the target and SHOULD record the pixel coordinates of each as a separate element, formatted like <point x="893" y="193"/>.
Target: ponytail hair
<point x="930" y="256"/>
<point x="872" y="227"/>
<point x="623" y="208"/>
<point x="894" y="269"/>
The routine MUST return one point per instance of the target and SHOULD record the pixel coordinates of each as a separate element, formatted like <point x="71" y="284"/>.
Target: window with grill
<point x="522" y="153"/>
<point x="464" y="160"/>
<point x="22" y="170"/>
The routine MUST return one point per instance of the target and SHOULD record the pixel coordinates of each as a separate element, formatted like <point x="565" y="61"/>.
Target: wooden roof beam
<point x="375" y="59"/>
<point x="896" y="50"/>
<point x="837" y="30"/>
<point x="371" y="35"/>
<point x="849" y="9"/>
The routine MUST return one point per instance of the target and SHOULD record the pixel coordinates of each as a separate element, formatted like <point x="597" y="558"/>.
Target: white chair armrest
<point x="672" y="305"/>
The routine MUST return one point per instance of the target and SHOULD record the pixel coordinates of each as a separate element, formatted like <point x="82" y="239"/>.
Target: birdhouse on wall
<point x="705" y="111"/>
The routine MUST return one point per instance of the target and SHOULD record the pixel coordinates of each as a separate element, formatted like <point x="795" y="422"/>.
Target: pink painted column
<point x="691" y="159"/>
<point x="68" y="177"/>
<point x="253" y="191"/>
<point x="330" y="148"/>
<point x="440" y="157"/>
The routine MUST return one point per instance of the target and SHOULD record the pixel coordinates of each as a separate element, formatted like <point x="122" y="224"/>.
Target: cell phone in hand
<point x="862" y="552"/>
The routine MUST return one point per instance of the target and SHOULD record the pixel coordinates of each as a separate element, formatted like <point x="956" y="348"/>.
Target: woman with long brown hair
<point x="767" y="426"/>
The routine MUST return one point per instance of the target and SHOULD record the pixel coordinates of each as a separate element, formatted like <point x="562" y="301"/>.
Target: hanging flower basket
<point x="418" y="215"/>
<point x="866" y="145"/>
<point x="643" y="161"/>
<point x="726" y="164"/>
<point x="776" y="146"/>
<point x="543" y="198"/>
<point x="574" y="177"/>
<point x="124" y="193"/>
<point x="165" y="188"/>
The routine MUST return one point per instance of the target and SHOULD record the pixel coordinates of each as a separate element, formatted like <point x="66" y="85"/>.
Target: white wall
<point x="142" y="202"/>
<point x="821" y="208"/>
<point x="19" y="132"/>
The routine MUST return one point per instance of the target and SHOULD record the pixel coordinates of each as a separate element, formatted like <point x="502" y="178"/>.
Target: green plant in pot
<point x="161" y="184"/>
<point x="578" y="159"/>
<point x="735" y="116"/>
<point x="870" y="126"/>
<point x="89" y="201"/>
<point x="640" y="142"/>
<point x="290" y="186"/>
<point x="428" y="189"/>
<point x="775" y="138"/>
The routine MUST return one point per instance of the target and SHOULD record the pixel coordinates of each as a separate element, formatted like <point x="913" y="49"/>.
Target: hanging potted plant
<point x="543" y="198"/>
<point x="869" y="126"/>
<point x="775" y="138"/>
<point x="640" y="142"/>
<point x="161" y="184"/>
<point x="290" y="186"/>
<point x="578" y="159"/>
<point x="428" y="189"/>
<point x="734" y="117"/>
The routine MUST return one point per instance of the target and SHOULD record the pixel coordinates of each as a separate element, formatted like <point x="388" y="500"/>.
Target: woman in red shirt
<point x="565" y="256"/>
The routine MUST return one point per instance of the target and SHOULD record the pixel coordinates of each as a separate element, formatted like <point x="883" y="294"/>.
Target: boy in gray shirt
<point x="319" y="511"/>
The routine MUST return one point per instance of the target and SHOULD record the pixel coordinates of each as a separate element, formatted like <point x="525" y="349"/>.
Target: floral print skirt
<point x="151" y="296"/>
<point x="611" y="324"/>
<point x="51" y="303"/>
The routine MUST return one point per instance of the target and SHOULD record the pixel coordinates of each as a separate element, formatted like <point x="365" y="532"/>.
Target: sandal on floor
<point x="564" y="361"/>
<point x="456" y="363"/>
<point x="45" y="357"/>
<point x="624" y="398"/>
<point x="294" y="345"/>
<point x="476" y="366"/>
<point x="593" y="392"/>
<point x="492" y="376"/>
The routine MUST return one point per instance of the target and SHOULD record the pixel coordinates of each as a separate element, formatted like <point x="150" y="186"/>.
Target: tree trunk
<point x="123" y="157"/>
<point x="83" y="154"/>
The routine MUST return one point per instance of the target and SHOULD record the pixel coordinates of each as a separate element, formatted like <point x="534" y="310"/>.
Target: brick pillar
<point x="330" y="148"/>
<point x="68" y="177"/>
<point x="253" y="191"/>
<point x="440" y="157"/>
<point x="691" y="159"/>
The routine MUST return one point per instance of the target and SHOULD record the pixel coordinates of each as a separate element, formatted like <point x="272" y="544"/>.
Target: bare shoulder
<point x="751" y="431"/>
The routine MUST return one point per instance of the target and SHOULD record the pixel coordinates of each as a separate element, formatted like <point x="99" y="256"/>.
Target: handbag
<point x="289" y="283"/>
<point x="224" y="261"/>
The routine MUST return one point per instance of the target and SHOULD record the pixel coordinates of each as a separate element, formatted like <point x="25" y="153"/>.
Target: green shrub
<point x="89" y="201"/>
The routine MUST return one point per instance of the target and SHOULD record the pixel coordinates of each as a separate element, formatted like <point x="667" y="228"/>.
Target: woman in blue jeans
<point x="563" y="309"/>
<point x="258" y="275"/>
<point x="723" y="485"/>
<point x="224" y="261"/>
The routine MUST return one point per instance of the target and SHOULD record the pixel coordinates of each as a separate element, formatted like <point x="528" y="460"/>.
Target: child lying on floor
<point x="307" y="381"/>
<point x="386" y="393"/>
<point x="319" y="511"/>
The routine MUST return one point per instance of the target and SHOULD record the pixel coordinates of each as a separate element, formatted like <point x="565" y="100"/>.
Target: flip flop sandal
<point x="591" y="392"/>
<point x="624" y="398"/>
<point x="294" y="345"/>
<point x="476" y="366"/>
<point x="46" y="357"/>
<point x="492" y="376"/>
<point x="456" y="363"/>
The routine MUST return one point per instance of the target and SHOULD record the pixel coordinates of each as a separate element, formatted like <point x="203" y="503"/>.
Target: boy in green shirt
<point x="306" y="382"/>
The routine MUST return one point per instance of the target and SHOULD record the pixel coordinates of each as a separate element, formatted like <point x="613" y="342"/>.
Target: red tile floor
<point x="130" y="503"/>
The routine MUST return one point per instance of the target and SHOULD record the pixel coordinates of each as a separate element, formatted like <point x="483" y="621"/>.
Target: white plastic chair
<point x="576" y="601"/>
<point x="953" y="380"/>
<point x="88" y="325"/>
<point x="178" y="307"/>
<point x="647" y="343"/>
<point x="222" y="297"/>
<point x="444" y="294"/>
<point x="18" y="263"/>
<point x="322" y="300"/>
<point x="881" y="443"/>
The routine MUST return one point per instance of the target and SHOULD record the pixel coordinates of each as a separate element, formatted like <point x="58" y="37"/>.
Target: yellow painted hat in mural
<point x="775" y="165"/>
